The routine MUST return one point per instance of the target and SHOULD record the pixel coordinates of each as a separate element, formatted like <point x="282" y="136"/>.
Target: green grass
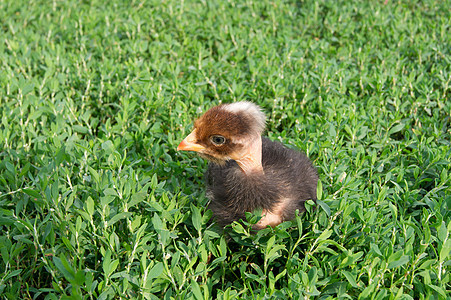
<point x="96" y="203"/>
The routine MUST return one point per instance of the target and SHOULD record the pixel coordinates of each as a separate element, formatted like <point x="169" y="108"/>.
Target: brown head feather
<point x="237" y="126"/>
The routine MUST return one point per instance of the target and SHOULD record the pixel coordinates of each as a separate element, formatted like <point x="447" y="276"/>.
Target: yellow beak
<point x="189" y="143"/>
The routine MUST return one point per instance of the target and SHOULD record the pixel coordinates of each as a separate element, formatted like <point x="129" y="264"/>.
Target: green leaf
<point x="90" y="206"/>
<point x="332" y="131"/>
<point x="110" y="192"/>
<point x="211" y="234"/>
<point x="438" y="290"/>
<point x="118" y="217"/>
<point x="269" y="244"/>
<point x="156" y="271"/>
<point x="109" y="266"/>
<point x="350" y="278"/>
<point x="396" y="128"/>
<point x="280" y="275"/>
<point x="443" y="232"/>
<point x="157" y="223"/>
<point x="324" y="235"/>
<point x="324" y="206"/>
<point x="10" y="167"/>
<point x="94" y="174"/>
<point x="394" y="210"/>
<point x="80" y="129"/>
<point x="367" y="291"/>
<point x="196" y="218"/>
<point x="319" y="192"/>
<point x="238" y="228"/>
<point x="137" y="198"/>
<point x="218" y="260"/>
<point x="12" y="274"/>
<point x="32" y="193"/>
<point x="399" y="262"/>
<point x="445" y="251"/>
<point x="376" y="249"/>
<point x="196" y="290"/>
<point x="65" y="268"/>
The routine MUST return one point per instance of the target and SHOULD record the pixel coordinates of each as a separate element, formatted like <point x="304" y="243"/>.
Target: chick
<point x="247" y="171"/>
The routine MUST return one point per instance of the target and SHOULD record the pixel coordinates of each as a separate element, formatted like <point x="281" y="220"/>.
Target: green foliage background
<point x="95" y="96"/>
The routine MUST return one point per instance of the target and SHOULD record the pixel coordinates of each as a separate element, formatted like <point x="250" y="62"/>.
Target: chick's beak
<point x="189" y="143"/>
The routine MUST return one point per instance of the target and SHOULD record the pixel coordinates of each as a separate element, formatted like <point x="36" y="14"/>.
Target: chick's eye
<point x="218" y="139"/>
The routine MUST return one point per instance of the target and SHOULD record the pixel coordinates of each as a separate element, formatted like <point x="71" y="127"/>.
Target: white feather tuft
<point x="250" y="109"/>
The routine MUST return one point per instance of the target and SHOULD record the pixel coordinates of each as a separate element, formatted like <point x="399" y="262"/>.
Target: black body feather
<point x="288" y="174"/>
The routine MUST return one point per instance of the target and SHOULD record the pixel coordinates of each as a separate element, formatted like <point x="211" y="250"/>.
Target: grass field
<point x="95" y="202"/>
